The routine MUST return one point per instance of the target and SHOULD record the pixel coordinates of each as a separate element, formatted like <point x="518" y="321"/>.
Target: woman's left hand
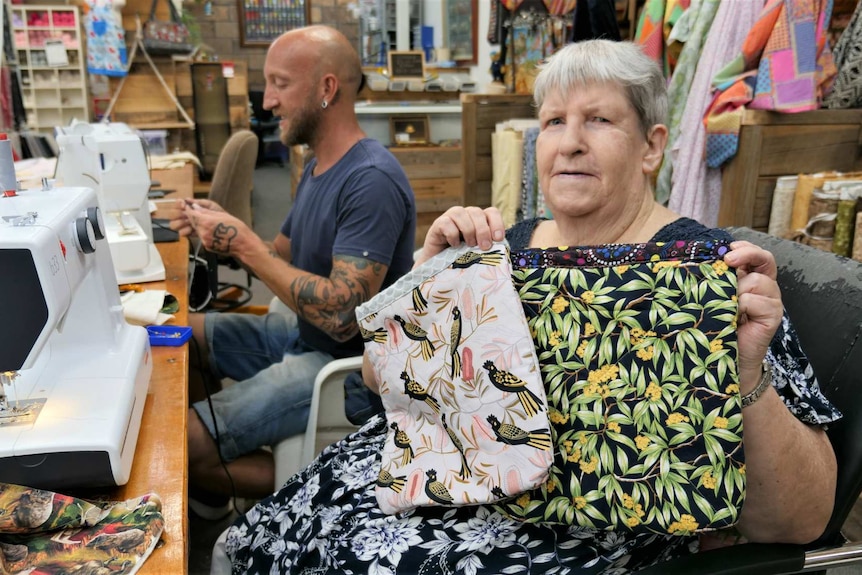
<point x="760" y="307"/>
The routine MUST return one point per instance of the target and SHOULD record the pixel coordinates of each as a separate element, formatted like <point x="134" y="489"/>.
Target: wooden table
<point x="161" y="457"/>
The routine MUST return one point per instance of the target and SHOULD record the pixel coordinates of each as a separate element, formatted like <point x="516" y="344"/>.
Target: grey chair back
<point x="233" y="178"/>
<point x="822" y="293"/>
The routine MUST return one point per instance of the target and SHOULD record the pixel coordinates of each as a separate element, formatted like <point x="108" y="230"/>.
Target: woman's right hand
<point x="180" y="221"/>
<point x="471" y="225"/>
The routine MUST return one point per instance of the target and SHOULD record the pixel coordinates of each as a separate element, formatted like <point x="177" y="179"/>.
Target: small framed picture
<point x="409" y="130"/>
<point x="407" y="65"/>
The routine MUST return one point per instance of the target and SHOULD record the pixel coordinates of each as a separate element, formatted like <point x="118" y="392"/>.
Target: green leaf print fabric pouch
<point x="460" y="383"/>
<point x="637" y="347"/>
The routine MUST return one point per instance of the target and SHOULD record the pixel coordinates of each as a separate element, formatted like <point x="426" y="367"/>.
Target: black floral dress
<point x="325" y="519"/>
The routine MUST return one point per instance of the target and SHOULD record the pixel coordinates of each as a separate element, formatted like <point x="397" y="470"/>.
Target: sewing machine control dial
<point x="94" y="214"/>
<point x="85" y="236"/>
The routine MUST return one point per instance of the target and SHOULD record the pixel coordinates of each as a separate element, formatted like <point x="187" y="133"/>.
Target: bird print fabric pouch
<point x="637" y="347"/>
<point x="460" y="383"/>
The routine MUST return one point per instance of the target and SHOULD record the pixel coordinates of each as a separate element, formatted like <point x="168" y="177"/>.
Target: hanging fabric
<point x="847" y="92"/>
<point x="559" y="7"/>
<point x="695" y="188"/>
<point x="657" y="20"/>
<point x="595" y="19"/>
<point x="701" y="16"/>
<point x="786" y="65"/>
<point x="511" y="5"/>
<point x="528" y="51"/>
<point x="106" y="39"/>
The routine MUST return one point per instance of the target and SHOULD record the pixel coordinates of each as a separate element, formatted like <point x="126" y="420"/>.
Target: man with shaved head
<point x="349" y="234"/>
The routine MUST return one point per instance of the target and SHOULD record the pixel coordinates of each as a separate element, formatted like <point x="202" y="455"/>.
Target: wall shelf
<point x="53" y="95"/>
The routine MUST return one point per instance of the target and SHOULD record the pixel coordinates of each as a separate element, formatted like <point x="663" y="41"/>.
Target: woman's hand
<point x="471" y="225"/>
<point x="180" y="221"/>
<point x="760" y="307"/>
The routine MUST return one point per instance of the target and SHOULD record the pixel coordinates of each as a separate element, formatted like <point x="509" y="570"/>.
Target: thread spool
<point x="8" y="182"/>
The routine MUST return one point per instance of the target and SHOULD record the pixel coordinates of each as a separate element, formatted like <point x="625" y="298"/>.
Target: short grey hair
<point x="621" y="63"/>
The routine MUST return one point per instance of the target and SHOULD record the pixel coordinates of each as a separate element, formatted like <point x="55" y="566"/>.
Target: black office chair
<point x="823" y="295"/>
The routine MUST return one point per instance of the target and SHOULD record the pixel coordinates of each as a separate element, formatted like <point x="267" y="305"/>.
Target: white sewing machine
<point x="111" y="159"/>
<point x="74" y="373"/>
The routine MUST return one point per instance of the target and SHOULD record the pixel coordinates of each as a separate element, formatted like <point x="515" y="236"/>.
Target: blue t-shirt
<point x="363" y="206"/>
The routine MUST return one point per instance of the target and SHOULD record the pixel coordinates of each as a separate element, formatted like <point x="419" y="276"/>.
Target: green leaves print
<point x="639" y="363"/>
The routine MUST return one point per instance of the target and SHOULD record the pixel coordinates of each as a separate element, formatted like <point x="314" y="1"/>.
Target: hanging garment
<point x="700" y="16"/>
<point x="657" y="19"/>
<point x="847" y="91"/>
<point x="528" y="51"/>
<point x="785" y="65"/>
<point x="460" y="383"/>
<point x="695" y="187"/>
<point x="106" y="39"/>
<point x="595" y="19"/>
<point x="637" y="346"/>
<point x="559" y="7"/>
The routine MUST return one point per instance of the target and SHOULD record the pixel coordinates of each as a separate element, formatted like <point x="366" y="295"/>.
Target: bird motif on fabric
<point x="465" y="468"/>
<point x="505" y="381"/>
<point x="454" y="341"/>
<point x="386" y="479"/>
<point x="420" y="304"/>
<point x="377" y="336"/>
<point x="419" y="393"/>
<point x="34" y="508"/>
<point x="435" y="490"/>
<point x="416" y="333"/>
<point x="402" y="441"/>
<point x="514" y="435"/>
<point x="468" y="259"/>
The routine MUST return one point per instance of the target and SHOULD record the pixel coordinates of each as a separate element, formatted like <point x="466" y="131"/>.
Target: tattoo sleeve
<point x="330" y="303"/>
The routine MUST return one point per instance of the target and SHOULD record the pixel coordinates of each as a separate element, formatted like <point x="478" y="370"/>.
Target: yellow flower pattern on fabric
<point x="653" y="407"/>
<point x="560" y="303"/>
<point x="653" y="391"/>
<point x="684" y="526"/>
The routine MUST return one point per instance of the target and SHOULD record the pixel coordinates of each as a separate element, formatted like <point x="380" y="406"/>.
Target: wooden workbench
<point x="161" y="458"/>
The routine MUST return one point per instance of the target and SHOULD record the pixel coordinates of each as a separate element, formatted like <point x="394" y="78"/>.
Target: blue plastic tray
<point x="173" y="335"/>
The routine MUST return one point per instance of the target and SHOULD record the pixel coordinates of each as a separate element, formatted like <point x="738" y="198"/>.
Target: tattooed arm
<point x="326" y="302"/>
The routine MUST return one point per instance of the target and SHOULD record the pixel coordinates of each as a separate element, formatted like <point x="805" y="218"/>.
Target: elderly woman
<point x="601" y="107"/>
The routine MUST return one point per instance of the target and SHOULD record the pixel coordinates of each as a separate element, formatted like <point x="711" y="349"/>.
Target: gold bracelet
<point x="765" y="381"/>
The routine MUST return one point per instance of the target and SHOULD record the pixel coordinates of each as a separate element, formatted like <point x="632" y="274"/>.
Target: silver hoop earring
<point x="324" y="104"/>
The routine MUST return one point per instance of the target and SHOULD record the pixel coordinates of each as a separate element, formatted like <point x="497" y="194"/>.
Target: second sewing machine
<point x="111" y="158"/>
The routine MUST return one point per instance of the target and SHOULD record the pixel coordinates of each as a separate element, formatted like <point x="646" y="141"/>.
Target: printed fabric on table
<point x="459" y="380"/>
<point x="637" y="347"/>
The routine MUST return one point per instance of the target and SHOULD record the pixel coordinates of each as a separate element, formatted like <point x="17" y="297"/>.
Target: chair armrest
<point x="747" y="559"/>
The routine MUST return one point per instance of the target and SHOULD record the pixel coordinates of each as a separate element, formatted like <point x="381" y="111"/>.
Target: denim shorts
<point x="274" y="377"/>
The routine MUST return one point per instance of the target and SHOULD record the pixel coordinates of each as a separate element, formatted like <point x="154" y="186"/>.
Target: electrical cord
<point x="206" y="377"/>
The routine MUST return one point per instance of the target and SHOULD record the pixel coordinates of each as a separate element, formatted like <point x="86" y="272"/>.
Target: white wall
<point x="433" y="16"/>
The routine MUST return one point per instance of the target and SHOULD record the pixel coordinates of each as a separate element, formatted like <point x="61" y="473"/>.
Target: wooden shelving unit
<point x="53" y="95"/>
